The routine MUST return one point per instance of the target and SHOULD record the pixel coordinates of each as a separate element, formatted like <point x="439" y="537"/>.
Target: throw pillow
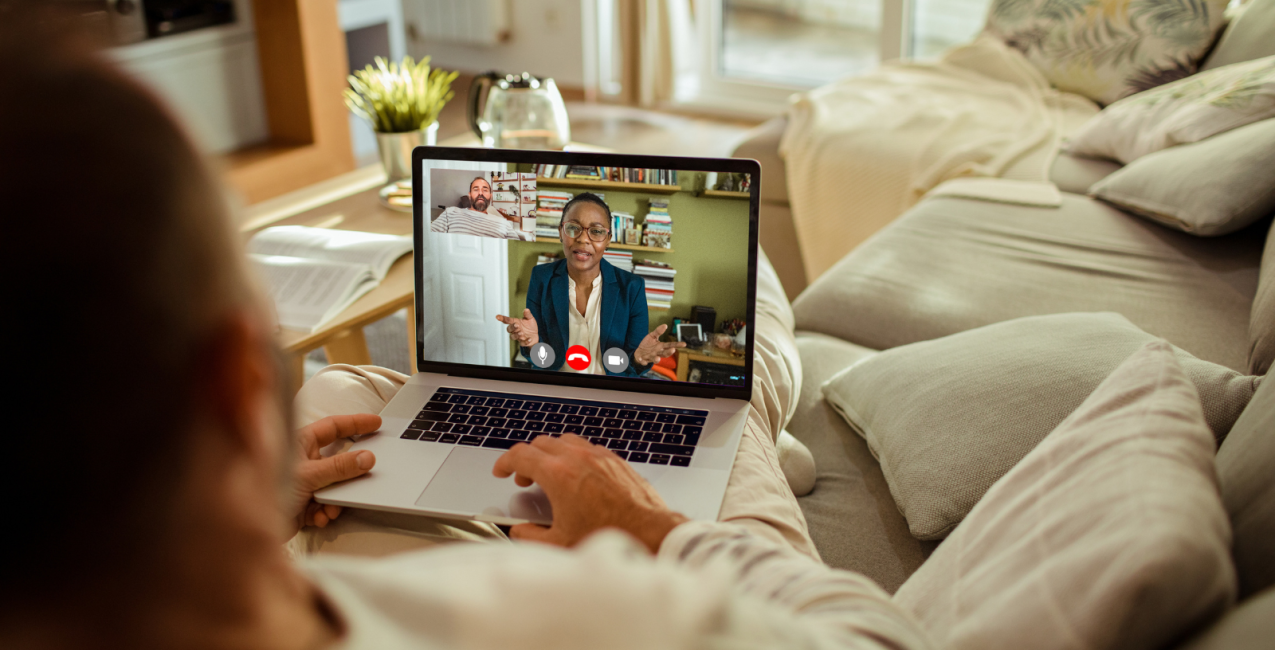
<point x="1109" y="49"/>
<point x="1110" y="534"/>
<point x="948" y="417"/>
<point x="1211" y="187"/>
<point x="1181" y="112"/>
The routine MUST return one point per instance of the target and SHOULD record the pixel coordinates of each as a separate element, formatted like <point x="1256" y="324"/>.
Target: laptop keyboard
<point x="639" y="434"/>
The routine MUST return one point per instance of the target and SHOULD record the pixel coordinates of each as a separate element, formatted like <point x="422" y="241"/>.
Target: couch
<point x="948" y="265"/>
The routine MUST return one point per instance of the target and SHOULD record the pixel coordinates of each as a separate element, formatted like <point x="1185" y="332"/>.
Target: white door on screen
<point x="465" y="285"/>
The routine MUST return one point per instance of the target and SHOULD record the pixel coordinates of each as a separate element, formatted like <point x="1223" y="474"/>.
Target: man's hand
<point x="651" y="349"/>
<point x="523" y="330"/>
<point x="314" y="471"/>
<point x="590" y="488"/>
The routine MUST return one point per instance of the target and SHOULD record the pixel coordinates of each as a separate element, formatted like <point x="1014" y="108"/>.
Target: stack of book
<point x="549" y="213"/>
<point x="659" y="283"/>
<point x="658" y="226"/>
<point x="617" y="174"/>
<point x="621" y="223"/>
<point x="619" y="259"/>
<point x="546" y="258"/>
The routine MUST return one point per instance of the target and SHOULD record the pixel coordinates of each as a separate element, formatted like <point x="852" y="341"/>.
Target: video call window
<point x="611" y="272"/>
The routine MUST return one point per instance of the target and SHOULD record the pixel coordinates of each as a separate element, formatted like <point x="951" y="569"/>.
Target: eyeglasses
<point x="596" y="233"/>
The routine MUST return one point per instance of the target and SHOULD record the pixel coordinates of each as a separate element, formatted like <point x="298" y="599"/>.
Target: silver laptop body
<point x="452" y="480"/>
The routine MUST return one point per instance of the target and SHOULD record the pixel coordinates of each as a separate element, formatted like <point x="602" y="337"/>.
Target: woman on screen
<point x="582" y="300"/>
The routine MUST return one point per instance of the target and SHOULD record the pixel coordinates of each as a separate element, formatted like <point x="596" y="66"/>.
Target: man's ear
<point x="241" y="377"/>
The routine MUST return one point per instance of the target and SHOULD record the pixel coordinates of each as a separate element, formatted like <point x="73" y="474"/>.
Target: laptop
<point x="680" y="250"/>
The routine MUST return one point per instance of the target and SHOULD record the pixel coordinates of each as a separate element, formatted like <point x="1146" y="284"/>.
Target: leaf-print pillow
<point x="1109" y="49"/>
<point x="1185" y="111"/>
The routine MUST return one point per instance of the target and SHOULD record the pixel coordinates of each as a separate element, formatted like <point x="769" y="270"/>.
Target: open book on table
<point x="313" y="274"/>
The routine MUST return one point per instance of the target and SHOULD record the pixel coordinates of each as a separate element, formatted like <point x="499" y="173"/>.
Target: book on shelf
<point x="619" y="259"/>
<point x="546" y="258"/>
<point x="658" y="278"/>
<point x="313" y="274"/>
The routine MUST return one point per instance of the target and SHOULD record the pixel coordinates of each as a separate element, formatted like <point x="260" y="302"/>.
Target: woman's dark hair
<point x="585" y="197"/>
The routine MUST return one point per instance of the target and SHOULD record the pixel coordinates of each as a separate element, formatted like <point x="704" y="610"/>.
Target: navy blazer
<point x="622" y="314"/>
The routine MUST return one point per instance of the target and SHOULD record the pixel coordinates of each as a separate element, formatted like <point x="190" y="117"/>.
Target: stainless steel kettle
<point x="518" y="112"/>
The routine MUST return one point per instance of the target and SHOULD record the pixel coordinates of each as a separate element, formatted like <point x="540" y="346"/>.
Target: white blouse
<point x="585" y="329"/>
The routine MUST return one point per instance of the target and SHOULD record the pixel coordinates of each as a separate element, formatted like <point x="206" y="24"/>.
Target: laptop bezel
<point x="528" y="375"/>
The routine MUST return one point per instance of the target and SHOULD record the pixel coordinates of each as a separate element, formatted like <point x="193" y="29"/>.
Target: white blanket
<point x="861" y="151"/>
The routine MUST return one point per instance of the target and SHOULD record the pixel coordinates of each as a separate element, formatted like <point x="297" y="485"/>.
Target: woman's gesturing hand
<point x="523" y="330"/>
<point x="652" y="349"/>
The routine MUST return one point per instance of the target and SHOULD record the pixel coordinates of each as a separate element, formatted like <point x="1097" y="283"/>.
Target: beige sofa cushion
<point x="852" y="518"/>
<point x="1212" y="187"/>
<point x="1075" y="174"/>
<point x="947" y="418"/>
<point x="1251" y="626"/>
<point x="1110" y="534"/>
<point x="1261" y="326"/>
<point x="1246" y="471"/>
<point x="1250" y="35"/>
<point x="949" y="265"/>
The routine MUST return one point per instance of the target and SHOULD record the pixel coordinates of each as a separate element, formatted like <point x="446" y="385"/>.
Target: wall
<point x="547" y="40"/>
<point x="710" y="251"/>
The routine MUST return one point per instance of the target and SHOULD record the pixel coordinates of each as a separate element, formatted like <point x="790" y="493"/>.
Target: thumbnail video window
<point x="596" y="270"/>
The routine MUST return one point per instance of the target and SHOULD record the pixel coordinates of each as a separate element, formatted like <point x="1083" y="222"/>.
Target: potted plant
<point x="402" y="102"/>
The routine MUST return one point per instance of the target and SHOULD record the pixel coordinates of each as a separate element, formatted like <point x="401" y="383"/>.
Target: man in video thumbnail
<point x="584" y="301"/>
<point x="476" y="216"/>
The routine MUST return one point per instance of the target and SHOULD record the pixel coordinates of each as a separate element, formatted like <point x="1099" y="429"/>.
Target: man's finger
<point x="329" y="429"/>
<point x="315" y="474"/>
<point x="534" y="533"/>
<point x="522" y="458"/>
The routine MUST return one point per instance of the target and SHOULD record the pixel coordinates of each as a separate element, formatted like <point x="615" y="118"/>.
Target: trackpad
<point x="465" y="486"/>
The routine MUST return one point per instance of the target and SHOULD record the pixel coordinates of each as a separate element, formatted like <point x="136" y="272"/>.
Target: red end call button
<point x="578" y="357"/>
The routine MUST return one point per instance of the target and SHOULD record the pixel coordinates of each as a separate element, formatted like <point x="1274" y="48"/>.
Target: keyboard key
<point x="601" y="442"/>
<point x="531" y="406"/>
<point x="477" y="400"/>
<point x="616" y="444"/>
<point x="638" y="445"/>
<point x="440" y="396"/>
<point x="672" y="428"/>
<point x="690" y="419"/>
<point x="411" y="434"/>
<point x="588" y="410"/>
<point x="573" y="428"/>
<point x="638" y="457"/>
<point x="627" y="415"/>
<point x="632" y="435"/>
<point x="515" y="424"/>
<point x="532" y="435"/>
<point x="421" y="424"/>
<point x="613" y="422"/>
<point x="458" y="418"/>
<point x="441" y="427"/>
<point x="517" y="414"/>
<point x="613" y="433"/>
<point x="497" y="443"/>
<point x="651" y="426"/>
<point x="658" y="459"/>
<point x="680" y="461"/>
<point x="674" y="439"/>
<point x="593" y="422"/>
<point x="498" y="433"/>
<point x="499" y="413"/>
<point x="478" y="410"/>
<point x="461" y="428"/>
<point x="535" y="417"/>
<point x="692" y="440"/>
<point x="632" y="424"/>
<point x="460" y="408"/>
<point x="512" y="404"/>
<point x="665" y="417"/>
<point x="646" y="416"/>
<point x="437" y="406"/>
<point x="477" y="419"/>
<point x="495" y="401"/>
<point x="569" y="409"/>
<point x="624" y="455"/>
<point x="432" y="416"/>
<point x="672" y="450"/>
<point x="555" y="435"/>
<point x="574" y="419"/>
<point x="593" y="431"/>
<point x="471" y="441"/>
<point x="535" y="426"/>
<point x="548" y="407"/>
<point x="458" y="399"/>
<point x="449" y="438"/>
<point x="555" y="417"/>
<point x="496" y="422"/>
<point x="518" y="435"/>
<point x="692" y="431"/>
<point x="653" y="437"/>
<point x="481" y="431"/>
<point x="430" y="436"/>
<point x="553" y="427"/>
<point x="607" y="413"/>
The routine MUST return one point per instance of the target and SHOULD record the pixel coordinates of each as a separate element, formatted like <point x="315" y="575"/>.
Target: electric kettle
<point x="518" y="112"/>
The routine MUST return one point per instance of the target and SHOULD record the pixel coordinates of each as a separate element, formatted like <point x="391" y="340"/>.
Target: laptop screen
<point x="601" y="270"/>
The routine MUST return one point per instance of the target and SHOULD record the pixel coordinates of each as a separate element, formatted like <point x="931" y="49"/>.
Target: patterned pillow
<point x="1108" y="49"/>
<point x="1182" y="112"/>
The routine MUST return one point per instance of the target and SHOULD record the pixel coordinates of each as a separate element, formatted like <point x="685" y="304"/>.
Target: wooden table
<point x="706" y="355"/>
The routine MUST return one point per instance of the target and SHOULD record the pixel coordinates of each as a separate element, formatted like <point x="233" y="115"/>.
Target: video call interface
<point x="619" y="272"/>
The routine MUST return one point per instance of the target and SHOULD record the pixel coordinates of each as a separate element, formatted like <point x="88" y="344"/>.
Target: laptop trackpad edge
<point x="465" y="485"/>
